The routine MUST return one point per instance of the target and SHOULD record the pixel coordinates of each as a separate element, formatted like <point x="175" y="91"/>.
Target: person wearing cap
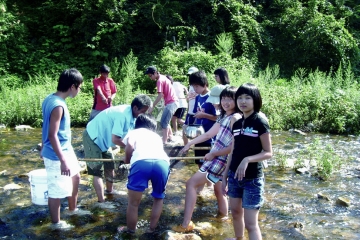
<point x="165" y="90"/>
<point x="104" y="91"/>
<point x="191" y="99"/>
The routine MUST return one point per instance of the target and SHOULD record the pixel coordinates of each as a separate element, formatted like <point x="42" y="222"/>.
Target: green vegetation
<point x="303" y="55"/>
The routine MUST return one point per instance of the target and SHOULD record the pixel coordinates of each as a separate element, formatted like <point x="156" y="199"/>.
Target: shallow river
<point x="292" y="209"/>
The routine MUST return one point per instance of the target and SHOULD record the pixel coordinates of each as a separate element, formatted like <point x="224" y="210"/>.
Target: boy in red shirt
<point x="165" y="90"/>
<point x="104" y="92"/>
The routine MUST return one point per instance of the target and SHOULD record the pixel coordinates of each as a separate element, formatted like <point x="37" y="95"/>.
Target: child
<point x="148" y="162"/>
<point x="61" y="164"/>
<point x="180" y="91"/>
<point x="215" y="162"/>
<point x="165" y="90"/>
<point x="221" y="76"/>
<point x="244" y="176"/>
<point x="205" y="113"/>
<point x="104" y="91"/>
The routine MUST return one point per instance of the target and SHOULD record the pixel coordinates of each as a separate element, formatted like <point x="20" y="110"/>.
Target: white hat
<point x="192" y="70"/>
<point x="215" y="92"/>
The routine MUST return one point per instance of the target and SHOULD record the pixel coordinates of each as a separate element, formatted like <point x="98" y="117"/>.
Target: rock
<point x="82" y="165"/>
<point x="297" y="131"/>
<point x="23" y="127"/>
<point x="169" y="235"/>
<point x="342" y="201"/>
<point x="302" y="170"/>
<point x="2" y="126"/>
<point x="12" y="186"/>
<point x="320" y="195"/>
<point x="3" y="172"/>
<point x="39" y="147"/>
<point x="297" y="225"/>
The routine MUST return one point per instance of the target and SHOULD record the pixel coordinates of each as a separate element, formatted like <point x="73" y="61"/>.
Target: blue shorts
<point x="142" y="171"/>
<point x="250" y="190"/>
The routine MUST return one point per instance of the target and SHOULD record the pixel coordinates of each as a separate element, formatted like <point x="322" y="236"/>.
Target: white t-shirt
<point x="147" y="145"/>
<point x="179" y="91"/>
<point x="191" y="96"/>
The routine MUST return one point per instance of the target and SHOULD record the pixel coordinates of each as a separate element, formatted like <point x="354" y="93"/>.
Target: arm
<point x="211" y="155"/>
<point x="200" y="114"/>
<point x="101" y="94"/>
<point x="157" y="100"/>
<point x="117" y="140"/>
<point x="265" y="154"/>
<point x="55" y="119"/>
<point x="129" y="149"/>
<point x="203" y="137"/>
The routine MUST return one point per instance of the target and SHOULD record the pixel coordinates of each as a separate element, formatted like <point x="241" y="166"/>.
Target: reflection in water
<point x="292" y="209"/>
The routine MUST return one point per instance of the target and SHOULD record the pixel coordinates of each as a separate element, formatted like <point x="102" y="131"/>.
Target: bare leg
<point x="99" y="188"/>
<point x="174" y="123"/>
<point x="156" y="212"/>
<point x="109" y="174"/>
<point x="221" y="199"/>
<point x="201" y="187"/>
<point x="165" y="135"/>
<point x="185" y="139"/>
<point x="198" y="179"/>
<point x="73" y="199"/>
<point x="54" y="208"/>
<point x="237" y="213"/>
<point x="251" y="224"/>
<point x="132" y="209"/>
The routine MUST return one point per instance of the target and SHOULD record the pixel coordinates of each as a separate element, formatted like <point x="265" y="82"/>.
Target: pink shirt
<point x="164" y="86"/>
<point x="107" y="87"/>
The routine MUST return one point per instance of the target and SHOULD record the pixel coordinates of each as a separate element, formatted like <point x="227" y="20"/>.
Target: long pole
<point x="122" y="159"/>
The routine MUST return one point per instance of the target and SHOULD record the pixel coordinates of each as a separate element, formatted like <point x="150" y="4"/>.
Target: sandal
<point x="180" y="228"/>
<point x="124" y="229"/>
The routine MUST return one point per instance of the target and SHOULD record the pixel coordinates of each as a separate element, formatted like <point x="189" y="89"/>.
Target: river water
<point x="292" y="209"/>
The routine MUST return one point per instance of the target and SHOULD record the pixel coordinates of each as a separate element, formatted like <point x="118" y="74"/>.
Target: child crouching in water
<point x="148" y="162"/>
<point x="243" y="179"/>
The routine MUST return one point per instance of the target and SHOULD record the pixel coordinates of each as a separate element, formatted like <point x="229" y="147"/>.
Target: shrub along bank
<point x="316" y="101"/>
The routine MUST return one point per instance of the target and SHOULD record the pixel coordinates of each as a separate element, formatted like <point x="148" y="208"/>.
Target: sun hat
<point x="151" y="70"/>
<point x="214" y="96"/>
<point x="192" y="70"/>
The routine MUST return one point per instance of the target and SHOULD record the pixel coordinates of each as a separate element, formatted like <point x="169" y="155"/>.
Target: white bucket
<point x="38" y="185"/>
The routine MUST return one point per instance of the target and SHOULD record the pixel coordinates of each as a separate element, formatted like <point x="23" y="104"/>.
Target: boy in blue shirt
<point x="60" y="161"/>
<point x="205" y="113"/>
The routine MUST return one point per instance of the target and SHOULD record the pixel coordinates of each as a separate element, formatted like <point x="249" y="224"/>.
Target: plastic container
<point x="38" y="185"/>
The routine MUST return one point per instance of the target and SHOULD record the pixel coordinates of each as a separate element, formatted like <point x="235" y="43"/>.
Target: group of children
<point x="238" y="135"/>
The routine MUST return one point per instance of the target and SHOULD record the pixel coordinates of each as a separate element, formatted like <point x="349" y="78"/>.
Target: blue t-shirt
<point x="64" y="134"/>
<point x="202" y="105"/>
<point x="117" y="120"/>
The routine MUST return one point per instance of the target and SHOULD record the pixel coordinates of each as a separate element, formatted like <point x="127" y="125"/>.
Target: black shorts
<point x="201" y="153"/>
<point x="179" y="113"/>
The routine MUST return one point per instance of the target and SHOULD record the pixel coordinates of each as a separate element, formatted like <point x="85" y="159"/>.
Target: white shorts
<point x="60" y="186"/>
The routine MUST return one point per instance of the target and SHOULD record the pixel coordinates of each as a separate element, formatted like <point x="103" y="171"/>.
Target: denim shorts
<point x="168" y="112"/>
<point x="250" y="190"/>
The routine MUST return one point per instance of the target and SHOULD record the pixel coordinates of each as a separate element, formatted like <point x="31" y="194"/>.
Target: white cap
<point x="192" y="70"/>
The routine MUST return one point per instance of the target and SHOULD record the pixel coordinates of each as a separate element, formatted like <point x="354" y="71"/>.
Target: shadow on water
<point x="292" y="209"/>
